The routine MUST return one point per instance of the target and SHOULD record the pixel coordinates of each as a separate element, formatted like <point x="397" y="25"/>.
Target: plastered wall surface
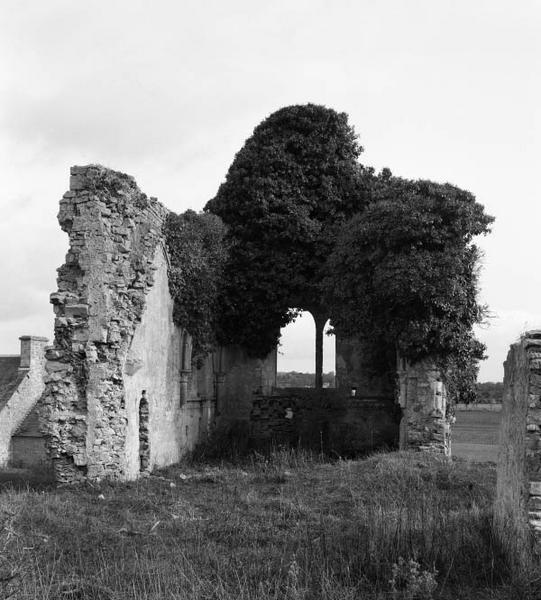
<point x="153" y="365"/>
<point x="242" y="377"/>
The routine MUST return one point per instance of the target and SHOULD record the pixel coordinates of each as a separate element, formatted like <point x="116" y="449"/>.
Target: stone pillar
<point x="423" y="399"/>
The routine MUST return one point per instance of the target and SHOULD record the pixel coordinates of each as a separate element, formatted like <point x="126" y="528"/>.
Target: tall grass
<point x="282" y="526"/>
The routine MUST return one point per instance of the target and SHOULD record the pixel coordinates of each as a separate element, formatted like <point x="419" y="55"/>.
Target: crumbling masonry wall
<point x="115" y="340"/>
<point x="517" y="510"/>
<point x="417" y="388"/>
<point x="323" y="420"/>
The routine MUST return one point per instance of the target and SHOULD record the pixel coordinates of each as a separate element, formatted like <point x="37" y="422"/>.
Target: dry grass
<point x="286" y="527"/>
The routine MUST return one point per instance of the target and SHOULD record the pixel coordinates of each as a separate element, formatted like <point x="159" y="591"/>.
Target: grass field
<point x="475" y="435"/>
<point x="388" y="527"/>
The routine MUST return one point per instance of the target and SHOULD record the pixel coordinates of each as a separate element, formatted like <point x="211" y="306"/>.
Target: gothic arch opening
<point x="296" y="361"/>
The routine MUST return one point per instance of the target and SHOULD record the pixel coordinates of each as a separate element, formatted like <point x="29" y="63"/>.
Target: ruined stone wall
<point x="417" y="388"/>
<point x="355" y="368"/>
<point x="324" y="420"/>
<point x="517" y="510"/>
<point x="28" y="390"/>
<point x="239" y="377"/>
<point x="115" y="341"/>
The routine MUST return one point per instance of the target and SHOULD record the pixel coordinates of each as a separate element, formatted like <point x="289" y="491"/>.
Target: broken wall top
<point x="114" y="231"/>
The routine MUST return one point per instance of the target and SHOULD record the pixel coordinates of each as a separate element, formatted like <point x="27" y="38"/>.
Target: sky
<point x="168" y="91"/>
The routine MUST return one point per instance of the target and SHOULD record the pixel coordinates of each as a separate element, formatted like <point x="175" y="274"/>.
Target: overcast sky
<point x="168" y="91"/>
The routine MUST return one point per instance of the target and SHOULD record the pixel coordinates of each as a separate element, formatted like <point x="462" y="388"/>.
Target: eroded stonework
<point x="422" y="396"/>
<point x="417" y="388"/>
<point x="114" y="233"/>
<point x="517" y="511"/>
<point x="122" y="396"/>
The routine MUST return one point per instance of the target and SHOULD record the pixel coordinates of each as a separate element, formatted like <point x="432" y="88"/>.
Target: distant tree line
<point x="489" y="392"/>
<point x="296" y="379"/>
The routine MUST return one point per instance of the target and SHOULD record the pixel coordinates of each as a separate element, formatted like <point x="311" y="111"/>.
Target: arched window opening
<point x="329" y="357"/>
<point x="296" y="354"/>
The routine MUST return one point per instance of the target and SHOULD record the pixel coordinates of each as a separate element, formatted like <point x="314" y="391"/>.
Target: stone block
<point x="77" y="182"/>
<point x="534" y="503"/>
<point x="76" y="310"/>
<point x="535" y="488"/>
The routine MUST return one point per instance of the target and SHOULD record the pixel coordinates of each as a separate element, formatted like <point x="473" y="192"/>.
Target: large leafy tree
<point x="404" y="274"/>
<point x="289" y="190"/>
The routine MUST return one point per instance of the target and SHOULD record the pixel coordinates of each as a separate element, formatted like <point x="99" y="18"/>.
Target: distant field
<point x="476" y="435"/>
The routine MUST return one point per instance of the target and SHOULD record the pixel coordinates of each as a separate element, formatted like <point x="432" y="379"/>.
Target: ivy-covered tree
<point x="404" y="274"/>
<point x="197" y="252"/>
<point x="289" y="190"/>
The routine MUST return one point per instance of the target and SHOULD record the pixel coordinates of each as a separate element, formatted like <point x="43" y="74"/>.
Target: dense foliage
<point x="404" y="273"/>
<point x="197" y="252"/>
<point x="300" y="224"/>
<point x="295" y="181"/>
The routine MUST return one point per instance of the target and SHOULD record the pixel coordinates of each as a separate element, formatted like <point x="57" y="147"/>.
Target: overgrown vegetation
<point x="404" y="272"/>
<point x="197" y="252"/>
<point x="295" y="181"/>
<point x="310" y="227"/>
<point x="392" y="526"/>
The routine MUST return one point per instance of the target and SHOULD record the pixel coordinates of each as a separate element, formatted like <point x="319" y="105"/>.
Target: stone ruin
<point x="517" y="511"/>
<point x="122" y="396"/>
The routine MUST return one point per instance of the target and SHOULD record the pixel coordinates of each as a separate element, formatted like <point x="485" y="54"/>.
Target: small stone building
<point x="21" y="385"/>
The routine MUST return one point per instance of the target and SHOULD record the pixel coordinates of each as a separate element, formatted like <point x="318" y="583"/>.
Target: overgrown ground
<point x="476" y="435"/>
<point x="286" y="527"/>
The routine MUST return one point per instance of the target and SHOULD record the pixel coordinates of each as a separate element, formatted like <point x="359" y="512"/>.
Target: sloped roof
<point x="10" y="377"/>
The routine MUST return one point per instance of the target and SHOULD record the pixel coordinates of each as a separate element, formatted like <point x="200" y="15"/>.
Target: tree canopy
<point x="289" y="189"/>
<point x="404" y="272"/>
<point x="300" y="224"/>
